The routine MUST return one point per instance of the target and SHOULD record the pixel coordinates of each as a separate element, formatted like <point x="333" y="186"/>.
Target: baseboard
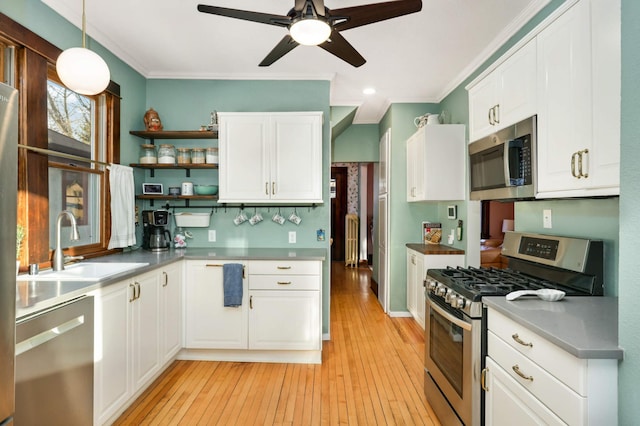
<point x="240" y="355"/>
<point x="400" y="314"/>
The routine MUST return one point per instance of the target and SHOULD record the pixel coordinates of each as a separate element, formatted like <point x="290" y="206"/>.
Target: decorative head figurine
<point x="152" y="120"/>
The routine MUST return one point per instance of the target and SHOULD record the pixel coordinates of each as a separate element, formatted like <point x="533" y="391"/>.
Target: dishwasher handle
<point x="47" y="335"/>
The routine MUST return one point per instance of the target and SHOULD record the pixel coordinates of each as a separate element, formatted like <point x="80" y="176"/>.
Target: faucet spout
<point x="58" y="254"/>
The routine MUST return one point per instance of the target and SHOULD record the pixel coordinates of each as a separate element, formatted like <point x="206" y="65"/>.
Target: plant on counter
<point x="19" y="239"/>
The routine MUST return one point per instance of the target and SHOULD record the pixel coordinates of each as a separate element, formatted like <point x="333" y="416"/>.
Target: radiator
<point x="351" y="240"/>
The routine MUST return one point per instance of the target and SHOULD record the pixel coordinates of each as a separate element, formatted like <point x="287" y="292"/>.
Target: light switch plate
<point x="212" y="235"/>
<point x="292" y="237"/>
<point x="546" y="218"/>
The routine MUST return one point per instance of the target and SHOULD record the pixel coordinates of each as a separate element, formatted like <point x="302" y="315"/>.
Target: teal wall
<point x="629" y="249"/>
<point x="357" y="144"/>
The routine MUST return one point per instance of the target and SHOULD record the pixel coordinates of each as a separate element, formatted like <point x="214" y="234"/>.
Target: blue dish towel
<point x="232" y="284"/>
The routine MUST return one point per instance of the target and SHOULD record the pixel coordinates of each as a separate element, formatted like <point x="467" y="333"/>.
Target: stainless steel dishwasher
<point x="54" y="365"/>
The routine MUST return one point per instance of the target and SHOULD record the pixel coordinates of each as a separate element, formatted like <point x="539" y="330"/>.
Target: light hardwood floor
<point x="371" y="374"/>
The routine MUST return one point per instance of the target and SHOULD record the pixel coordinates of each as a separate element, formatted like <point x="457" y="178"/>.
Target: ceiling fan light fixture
<point x="310" y="31"/>
<point x="81" y="69"/>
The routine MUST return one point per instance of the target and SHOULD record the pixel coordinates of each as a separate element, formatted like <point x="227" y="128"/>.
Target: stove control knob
<point x="441" y="290"/>
<point x="459" y="302"/>
<point x="432" y="284"/>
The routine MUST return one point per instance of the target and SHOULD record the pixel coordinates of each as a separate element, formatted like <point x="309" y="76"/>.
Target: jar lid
<point x="212" y="149"/>
<point x="147" y="146"/>
<point x="184" y="149"/>
<point x="164" y="145"/>
<point x="198" y="149"/>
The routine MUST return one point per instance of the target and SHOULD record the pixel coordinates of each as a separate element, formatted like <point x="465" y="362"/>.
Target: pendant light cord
<point x="84" y="26"/>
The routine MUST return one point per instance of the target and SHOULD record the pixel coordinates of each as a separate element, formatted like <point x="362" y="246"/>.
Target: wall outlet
<point x="212" y="235"/>
<point x="292" y="237"/>
<point x="546" y="218"/>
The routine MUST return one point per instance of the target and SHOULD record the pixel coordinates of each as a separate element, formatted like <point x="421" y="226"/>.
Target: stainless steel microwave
<point x="502" y="166"/>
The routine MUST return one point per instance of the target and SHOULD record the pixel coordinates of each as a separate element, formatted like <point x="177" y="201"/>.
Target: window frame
<point x="34" y="61"/>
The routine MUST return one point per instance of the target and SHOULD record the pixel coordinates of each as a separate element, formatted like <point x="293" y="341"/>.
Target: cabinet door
<point x="383" y="172"/>
<point x="112" y="366"/>
<point x="296" y="157"/>
<point x="244" y="157"/>
<point x="171" y="311"/>
<point x="209" y="324"/>
<point x="145" y="310"/>
<point x="506" y="400"/>
<point x="412" y="274"/>
<point x="482" y="98"/>
<point x="415" y="168"/>
<point x="419" y="286"/>
<point x="517" y="86"/>
<point x="564" y="98"/>
<point x="284" y="320"/>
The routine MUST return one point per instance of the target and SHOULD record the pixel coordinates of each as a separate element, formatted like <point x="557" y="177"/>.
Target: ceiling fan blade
<point x="286" y="45"/>
<point x="263" y="18"/>
<point x="340" y="47"/>
<point x="370" y="13"/>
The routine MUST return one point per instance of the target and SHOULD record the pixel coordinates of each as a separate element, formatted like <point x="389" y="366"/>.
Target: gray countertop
<point x="586" y="327"/>
<point x="34" y="296"/>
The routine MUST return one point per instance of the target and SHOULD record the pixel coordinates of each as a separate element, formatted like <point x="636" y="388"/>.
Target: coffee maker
<point x="155" y="235"/>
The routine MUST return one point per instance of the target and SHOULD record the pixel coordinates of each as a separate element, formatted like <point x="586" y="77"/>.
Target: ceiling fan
<point x="311" y="23"/>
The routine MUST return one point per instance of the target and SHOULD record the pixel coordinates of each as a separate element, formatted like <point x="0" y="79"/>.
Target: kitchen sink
<point x="88" y="271"/>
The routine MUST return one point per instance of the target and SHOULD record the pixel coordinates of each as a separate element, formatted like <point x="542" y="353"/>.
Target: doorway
<point x="339" y="182"/>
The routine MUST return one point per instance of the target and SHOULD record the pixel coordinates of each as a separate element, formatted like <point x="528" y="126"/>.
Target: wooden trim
<point x="26" y="38"/>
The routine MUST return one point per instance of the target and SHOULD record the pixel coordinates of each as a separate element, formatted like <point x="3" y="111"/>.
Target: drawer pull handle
<point x="284" y="282"/>
<point x="284" y="267"/>
<point x="522" y="342"/>
<point x="483" y="379"/>
<point x="521" y="374"/>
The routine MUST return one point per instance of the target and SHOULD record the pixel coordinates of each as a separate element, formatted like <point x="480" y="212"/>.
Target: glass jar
<point x="212" y="155"/>
<point x="166" y="154"/>
<point x="184" y="155"/>
<point x="148" y="154"/>
<point x="197" y="156"/>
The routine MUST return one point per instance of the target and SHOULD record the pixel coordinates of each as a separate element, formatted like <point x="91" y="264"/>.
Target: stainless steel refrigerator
<point x="8" y="189"/>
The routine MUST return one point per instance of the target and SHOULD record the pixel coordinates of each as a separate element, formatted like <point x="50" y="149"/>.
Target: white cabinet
<point x="112" y="346"/>
<point x="145" y="323"/>
<point x="267" y="157"/>
<point x="436" y="163"/>
<point x="527" y="375"/>
<point x="579" y="102"/>
<point x="132" y="320"/>
<point x="417" y="266"/>
<point x="505" y="96"/>
<point x="209" y="324"/>
<point x="171" y="311"/>
<point x="285" y="305"/>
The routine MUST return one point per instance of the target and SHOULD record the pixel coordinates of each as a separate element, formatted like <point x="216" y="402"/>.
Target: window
<point x="73" y="123"/>
<point x="87" y="128"/>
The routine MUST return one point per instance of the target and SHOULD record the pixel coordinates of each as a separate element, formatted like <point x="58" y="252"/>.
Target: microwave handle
<point x="505" y="156"/>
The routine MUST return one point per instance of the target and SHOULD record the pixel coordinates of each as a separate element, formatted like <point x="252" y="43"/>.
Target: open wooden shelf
<point x="175" y="134"/>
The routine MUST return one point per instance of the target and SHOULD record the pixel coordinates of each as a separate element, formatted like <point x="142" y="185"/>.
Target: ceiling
<point x="414" y="58"/>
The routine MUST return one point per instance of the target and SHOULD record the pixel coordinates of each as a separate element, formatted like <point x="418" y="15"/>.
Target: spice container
<point x="166" y="154"/>
<point x="148" y="154"/>
<point x="184" y="155"/>
<point x="197" y="156"/>
<point x="212" y="155"/>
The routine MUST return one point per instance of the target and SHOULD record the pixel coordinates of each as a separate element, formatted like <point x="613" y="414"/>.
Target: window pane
<point x="71" y="123"/>
<point x="78" y="192"/>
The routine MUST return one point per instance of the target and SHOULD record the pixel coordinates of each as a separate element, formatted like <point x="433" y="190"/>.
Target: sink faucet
<point x="58" y="254"/>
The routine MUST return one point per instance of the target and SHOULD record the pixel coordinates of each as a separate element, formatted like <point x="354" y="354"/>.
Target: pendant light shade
<point x="310" y="31"/>
<point x="82" y="70"/>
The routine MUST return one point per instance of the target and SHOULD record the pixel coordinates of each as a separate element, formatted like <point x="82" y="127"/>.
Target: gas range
<point x="535" y="261"/>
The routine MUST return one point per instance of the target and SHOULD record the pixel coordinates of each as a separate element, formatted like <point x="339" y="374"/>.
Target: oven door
<point x="452" y="358"/>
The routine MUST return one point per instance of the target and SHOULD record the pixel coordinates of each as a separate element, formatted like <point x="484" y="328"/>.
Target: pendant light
<point x="82" y="70"/>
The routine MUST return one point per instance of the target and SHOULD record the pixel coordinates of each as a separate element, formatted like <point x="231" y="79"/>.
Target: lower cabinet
<point x="281" y="311"/>
<point x="209" y="324"/>
<point x="528" y="378"/>
<point x="417" y="266"/>
<point x="137" y="331"/>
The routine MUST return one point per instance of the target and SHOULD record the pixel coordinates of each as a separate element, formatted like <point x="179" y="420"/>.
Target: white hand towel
<point x="123" y="231"/>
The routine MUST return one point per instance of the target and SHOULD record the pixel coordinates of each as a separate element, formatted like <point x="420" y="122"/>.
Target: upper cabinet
<point x="270" y="157"/>
<point x="505" y="96"/>
<point x="579" y="102"/>
<point x="436" y="163"/>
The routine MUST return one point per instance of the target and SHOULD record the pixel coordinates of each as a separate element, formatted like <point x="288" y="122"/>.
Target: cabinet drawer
<point x="284" y="282"/>
<point x="565" y="367"/>
<point x="285" y="267"/>
<point x="567" y="404"/>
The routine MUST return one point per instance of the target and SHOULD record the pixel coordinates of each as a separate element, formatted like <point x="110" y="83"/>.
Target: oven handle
<point x="457" y="321"/>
